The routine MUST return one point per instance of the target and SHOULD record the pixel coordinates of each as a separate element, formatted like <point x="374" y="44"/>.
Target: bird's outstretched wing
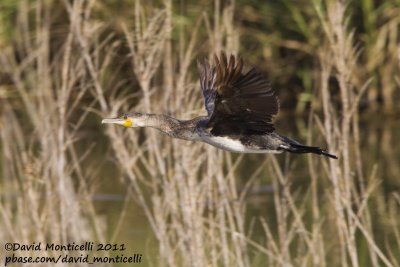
<point x="236" y="102"/>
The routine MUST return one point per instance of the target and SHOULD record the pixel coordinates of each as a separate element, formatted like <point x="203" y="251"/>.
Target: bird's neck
<point x="168" y="125"/>
<point x="158" y="121"/>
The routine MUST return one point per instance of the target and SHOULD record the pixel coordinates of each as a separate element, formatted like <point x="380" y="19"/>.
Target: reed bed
<point x="70" y="63"/>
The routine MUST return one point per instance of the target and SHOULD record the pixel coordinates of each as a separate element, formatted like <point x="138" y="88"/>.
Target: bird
<point x="240" y="107"/>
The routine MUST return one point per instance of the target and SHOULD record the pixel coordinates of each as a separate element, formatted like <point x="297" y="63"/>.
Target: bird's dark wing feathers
<point x="207" y="81"/>
<point x="237" y="102"/>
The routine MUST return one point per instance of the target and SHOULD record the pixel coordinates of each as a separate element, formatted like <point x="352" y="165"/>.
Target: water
<point x="127" y="224"/>
<point x="378" y="148"/>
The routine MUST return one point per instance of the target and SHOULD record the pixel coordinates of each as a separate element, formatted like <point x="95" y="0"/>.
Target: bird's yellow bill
<point x="124" y="122"/>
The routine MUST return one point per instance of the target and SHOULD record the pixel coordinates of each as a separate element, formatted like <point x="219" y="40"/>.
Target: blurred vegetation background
<point x="64" y="177"/>
<point x="281" y="38"/>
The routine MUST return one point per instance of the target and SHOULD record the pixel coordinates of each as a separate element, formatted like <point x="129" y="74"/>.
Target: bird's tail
<point x="297" y="148"/>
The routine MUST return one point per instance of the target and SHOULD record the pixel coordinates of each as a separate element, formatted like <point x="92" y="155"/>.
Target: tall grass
<point x="45" y="194"/>
<point x="62" y="69"/>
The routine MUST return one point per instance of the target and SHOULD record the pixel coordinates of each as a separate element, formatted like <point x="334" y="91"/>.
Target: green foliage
<point x="8" y="9"/>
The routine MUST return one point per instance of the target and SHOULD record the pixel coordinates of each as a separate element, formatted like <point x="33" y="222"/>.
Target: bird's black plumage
<point x="237" y="102"/>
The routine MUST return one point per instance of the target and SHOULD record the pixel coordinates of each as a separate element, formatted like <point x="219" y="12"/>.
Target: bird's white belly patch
<point x="232" y="145"/>
<point x="227" y="143"/>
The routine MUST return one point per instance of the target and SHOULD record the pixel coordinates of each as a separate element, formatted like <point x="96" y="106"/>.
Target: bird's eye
<point x="124" y="117"/>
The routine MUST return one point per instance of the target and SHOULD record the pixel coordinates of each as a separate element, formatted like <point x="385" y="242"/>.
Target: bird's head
<point x="128" y="120"/>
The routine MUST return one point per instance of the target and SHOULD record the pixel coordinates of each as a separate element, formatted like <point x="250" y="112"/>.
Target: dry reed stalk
<point x="41" y="166"/>
<point x="340" y="55"/>
<point x="194" y="209"/>
<point x="188" y="191"/>
<point x="350" y="188"/>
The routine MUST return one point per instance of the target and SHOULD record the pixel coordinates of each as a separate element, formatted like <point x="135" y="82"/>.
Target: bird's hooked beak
<point x="124" y="121"/>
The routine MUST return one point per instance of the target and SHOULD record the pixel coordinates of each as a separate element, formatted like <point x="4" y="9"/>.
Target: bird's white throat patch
<point x="139" y="123"/>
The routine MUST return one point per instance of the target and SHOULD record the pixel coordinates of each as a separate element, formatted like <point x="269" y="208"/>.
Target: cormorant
<point x="240" y="106"/>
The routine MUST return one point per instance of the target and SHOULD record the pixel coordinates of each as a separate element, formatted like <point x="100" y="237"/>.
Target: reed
<point x="44" y="188"/>
<point x="60" y="72"/>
